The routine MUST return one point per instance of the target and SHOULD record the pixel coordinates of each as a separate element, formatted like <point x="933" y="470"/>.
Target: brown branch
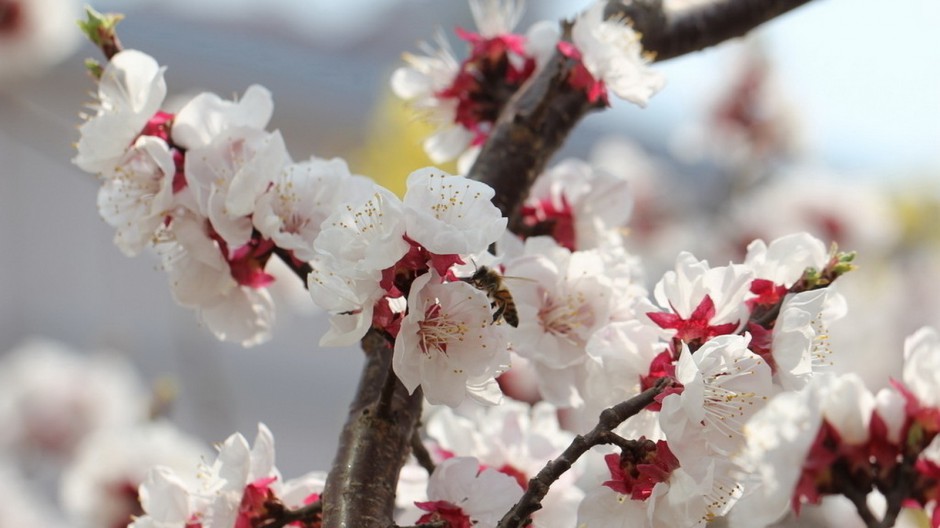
<point x="850" y="487"/>
<point x="421" y="453"/>
<point x="905" y="479"/>
<point x="300" y="268"/>
<point x="310" y="512"/>
<point x="360" y="488"/>
<point x="432" y="524"/>
<point x="540" y="116"/>
<point x="670" y="35"/>
<point x="609" y="419"/>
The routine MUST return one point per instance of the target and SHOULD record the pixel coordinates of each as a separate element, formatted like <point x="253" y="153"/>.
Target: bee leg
<point x="498" y="312"/>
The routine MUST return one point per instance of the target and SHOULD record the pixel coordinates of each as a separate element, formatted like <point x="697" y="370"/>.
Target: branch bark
<point x="373" y="447"/>
<point x="671" y="35"/>
<point x="536" y="121"/>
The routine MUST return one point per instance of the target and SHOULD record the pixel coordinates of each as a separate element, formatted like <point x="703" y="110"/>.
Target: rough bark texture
<point x="375" y="442"/>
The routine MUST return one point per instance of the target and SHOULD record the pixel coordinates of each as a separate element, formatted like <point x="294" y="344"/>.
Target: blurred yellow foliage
<point x="392" y="149"/>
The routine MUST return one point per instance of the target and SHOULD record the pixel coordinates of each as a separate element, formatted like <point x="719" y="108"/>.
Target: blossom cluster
<point x="835" y="437"/>
<point x="464" y="98"/>
<point x="242" y="488"/>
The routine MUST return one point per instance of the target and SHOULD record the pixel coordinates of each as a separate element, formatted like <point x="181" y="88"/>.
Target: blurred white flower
<point x="52" y="397"/>
<point x="99" y="488"/>
<point x="612" y="52"/>
<point x="35" y="35"/>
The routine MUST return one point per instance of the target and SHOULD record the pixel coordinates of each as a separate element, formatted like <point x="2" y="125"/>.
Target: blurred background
<point x="827" y="119"/>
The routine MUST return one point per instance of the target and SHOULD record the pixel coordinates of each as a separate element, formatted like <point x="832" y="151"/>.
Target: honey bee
<point x="490" y="282"/>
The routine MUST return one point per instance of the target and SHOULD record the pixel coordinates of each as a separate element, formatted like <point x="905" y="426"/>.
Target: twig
<point x="301" y="269"/>
<point x="305" y="513"/>
<point x="432" y="524"/>
<point x="904" y="481"/>
<point x="421" y="453"/>
<point x="849" y="487"/>
<point x="539" y="485"/>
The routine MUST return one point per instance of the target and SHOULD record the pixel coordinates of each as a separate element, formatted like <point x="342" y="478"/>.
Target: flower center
<point x="567" y="317"/>
<point x="438" y="329"/>
<point x="486" y="81"/>
<point x="726" y="410"/>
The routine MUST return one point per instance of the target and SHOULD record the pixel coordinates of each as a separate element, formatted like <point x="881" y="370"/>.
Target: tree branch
<point x="540" y="116"/>
<point x="609" y="419"/>
<point x="360" y="488"/>
<point x="672" y="34"/>
<point x="421" y="453"/>
<point x="306" y="513"/>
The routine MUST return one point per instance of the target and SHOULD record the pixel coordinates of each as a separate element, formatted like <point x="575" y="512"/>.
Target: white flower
<point x="621" y="353"/>
<point x="36" y="34"/>
<point x="228" y="175"/>
<point x="99" y="488"/>
<point x="349" y="296"/>
<point x="367" y="234"/>
<point x="138" y="193"/>
<point x="847" y="405"/>
<point x="200" y="278"/>
<point x="419" y="82"/>
<point x="51" y="397"/>
<point x="779" y="437"/>
<point x="724" y="383"/>
<point x="130" y="92"/>
<point x="596" y="202"/>
<point x="480" y="498"/>
<point x="463" y="99"/>
<point x="921" y="372"/>
<point x="496" y="17"/>
<point x="302" y="196"/>
<point x="451" y="214"/>
<point x="612" y="52"/>
<point x="800" y="344"/>
<point x="684" y="290"/>
<point x="448" y="343"/>
<point x="565" y="298"/>
<point x="165" y="499"/>
<point x="208" y="116"/>
<point x="517" y="440"/>
<point x="679" y="501"/>
<point x="603" y="507"/>
<point x="786" y="258"/>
